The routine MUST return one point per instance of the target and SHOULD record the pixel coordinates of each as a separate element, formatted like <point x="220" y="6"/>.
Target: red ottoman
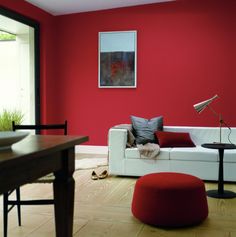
<point x="170" y="200"/>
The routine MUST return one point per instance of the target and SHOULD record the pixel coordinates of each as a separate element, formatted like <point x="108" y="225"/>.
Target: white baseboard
<point x="91" y="149"/>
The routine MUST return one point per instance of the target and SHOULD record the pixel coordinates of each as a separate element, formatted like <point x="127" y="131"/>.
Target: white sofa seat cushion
<point x="230" y="156"/>
<point x="197" y="153"/>
<point x="133" y="153"/>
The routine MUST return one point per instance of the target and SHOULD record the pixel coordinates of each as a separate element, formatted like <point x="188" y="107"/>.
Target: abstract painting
<point x="117" y="59"/>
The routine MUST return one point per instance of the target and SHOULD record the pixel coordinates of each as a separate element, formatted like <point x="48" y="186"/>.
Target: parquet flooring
<point x="102" y="209"/>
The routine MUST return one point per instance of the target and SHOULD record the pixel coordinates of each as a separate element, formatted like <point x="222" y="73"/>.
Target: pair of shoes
<point x="103" y="175"/>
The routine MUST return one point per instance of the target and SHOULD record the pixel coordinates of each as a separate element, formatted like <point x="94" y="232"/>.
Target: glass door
<point x="19" y="66"/>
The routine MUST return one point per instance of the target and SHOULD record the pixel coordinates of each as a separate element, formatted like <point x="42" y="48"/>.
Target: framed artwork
<point x="117" y="59"/>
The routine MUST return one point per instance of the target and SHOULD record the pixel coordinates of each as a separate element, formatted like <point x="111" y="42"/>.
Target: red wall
<point x="47" y="26"/>
<point x="186" y="54"/>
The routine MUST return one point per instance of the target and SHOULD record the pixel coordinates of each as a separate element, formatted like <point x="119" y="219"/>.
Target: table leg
<point x="221" y="172"/>
<point x="64" y="186"/>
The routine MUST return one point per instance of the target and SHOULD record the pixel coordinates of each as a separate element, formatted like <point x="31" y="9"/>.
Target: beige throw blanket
<point x="149" y="150"/>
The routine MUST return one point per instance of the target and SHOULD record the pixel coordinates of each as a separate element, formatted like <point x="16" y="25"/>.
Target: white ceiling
<point x="61" y="7"/>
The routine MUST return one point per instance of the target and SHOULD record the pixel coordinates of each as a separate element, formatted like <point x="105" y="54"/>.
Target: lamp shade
<point x="199" y="107"/>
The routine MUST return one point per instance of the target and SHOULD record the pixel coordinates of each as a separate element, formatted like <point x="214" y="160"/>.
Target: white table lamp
<point x="199" y="107"/>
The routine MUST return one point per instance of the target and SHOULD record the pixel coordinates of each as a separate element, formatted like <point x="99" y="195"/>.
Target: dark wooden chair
<point x="9" y="204"/>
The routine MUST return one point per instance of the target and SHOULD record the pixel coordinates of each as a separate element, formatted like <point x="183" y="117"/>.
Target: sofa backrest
<point x="202" y="135"/>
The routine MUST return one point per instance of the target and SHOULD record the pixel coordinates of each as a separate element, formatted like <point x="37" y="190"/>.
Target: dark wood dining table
<point x="36" y="156"/>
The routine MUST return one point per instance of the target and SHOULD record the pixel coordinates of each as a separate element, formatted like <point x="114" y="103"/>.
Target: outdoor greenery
<point x="4" y="36"/>
<point x="6" y="118"/>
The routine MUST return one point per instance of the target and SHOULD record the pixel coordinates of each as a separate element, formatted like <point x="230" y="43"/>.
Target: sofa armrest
<point x="117" y="140"/>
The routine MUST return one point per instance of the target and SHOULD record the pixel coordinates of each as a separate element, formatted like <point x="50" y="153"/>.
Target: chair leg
<point x="18" y="205"/>
<point x="5" y="214"/>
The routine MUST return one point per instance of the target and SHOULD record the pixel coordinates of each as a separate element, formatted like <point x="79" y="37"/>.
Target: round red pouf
<point x="170" y="200"/>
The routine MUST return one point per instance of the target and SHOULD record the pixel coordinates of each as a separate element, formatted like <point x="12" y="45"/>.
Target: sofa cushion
<point x="230" y="156"/>
<point x="197" y="153"/>
<point x="144" y="129"/>
<point x="133" y="153"/>
<point x="174" y="139"/>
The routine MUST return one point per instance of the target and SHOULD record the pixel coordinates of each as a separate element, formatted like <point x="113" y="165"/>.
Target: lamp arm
<point x="226" y="125"/>
<point x="221" y="122"/>
<point x="218" y="116"/>
<point x="214" y="112"/>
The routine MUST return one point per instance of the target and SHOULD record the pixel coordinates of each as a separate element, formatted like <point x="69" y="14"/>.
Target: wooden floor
<point x="102" y="209"/>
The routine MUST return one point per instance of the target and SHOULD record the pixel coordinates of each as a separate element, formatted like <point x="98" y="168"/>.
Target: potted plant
<point x="6" y="118"/>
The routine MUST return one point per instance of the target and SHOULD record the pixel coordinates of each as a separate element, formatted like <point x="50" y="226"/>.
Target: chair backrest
<point x="40" y="127"/>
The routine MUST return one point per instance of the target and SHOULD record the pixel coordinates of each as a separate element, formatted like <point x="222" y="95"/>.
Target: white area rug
<point x="90" y="163"/>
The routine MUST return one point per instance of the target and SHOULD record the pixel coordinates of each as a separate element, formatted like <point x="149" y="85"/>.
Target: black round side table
<point x="220" y="193"/>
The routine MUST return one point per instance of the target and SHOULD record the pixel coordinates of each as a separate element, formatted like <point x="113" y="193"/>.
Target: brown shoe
<point x="94" y="176"/>
<point x="103" y="175"/>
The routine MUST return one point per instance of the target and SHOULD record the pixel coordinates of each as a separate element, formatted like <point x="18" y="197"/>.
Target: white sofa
<point x="198" y="161"/>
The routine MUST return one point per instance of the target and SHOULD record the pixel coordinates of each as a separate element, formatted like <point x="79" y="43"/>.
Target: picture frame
<point x="117" y="59"/>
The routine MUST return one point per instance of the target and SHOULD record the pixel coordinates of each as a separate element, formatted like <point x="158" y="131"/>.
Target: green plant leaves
<point x="6" y="118"/>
